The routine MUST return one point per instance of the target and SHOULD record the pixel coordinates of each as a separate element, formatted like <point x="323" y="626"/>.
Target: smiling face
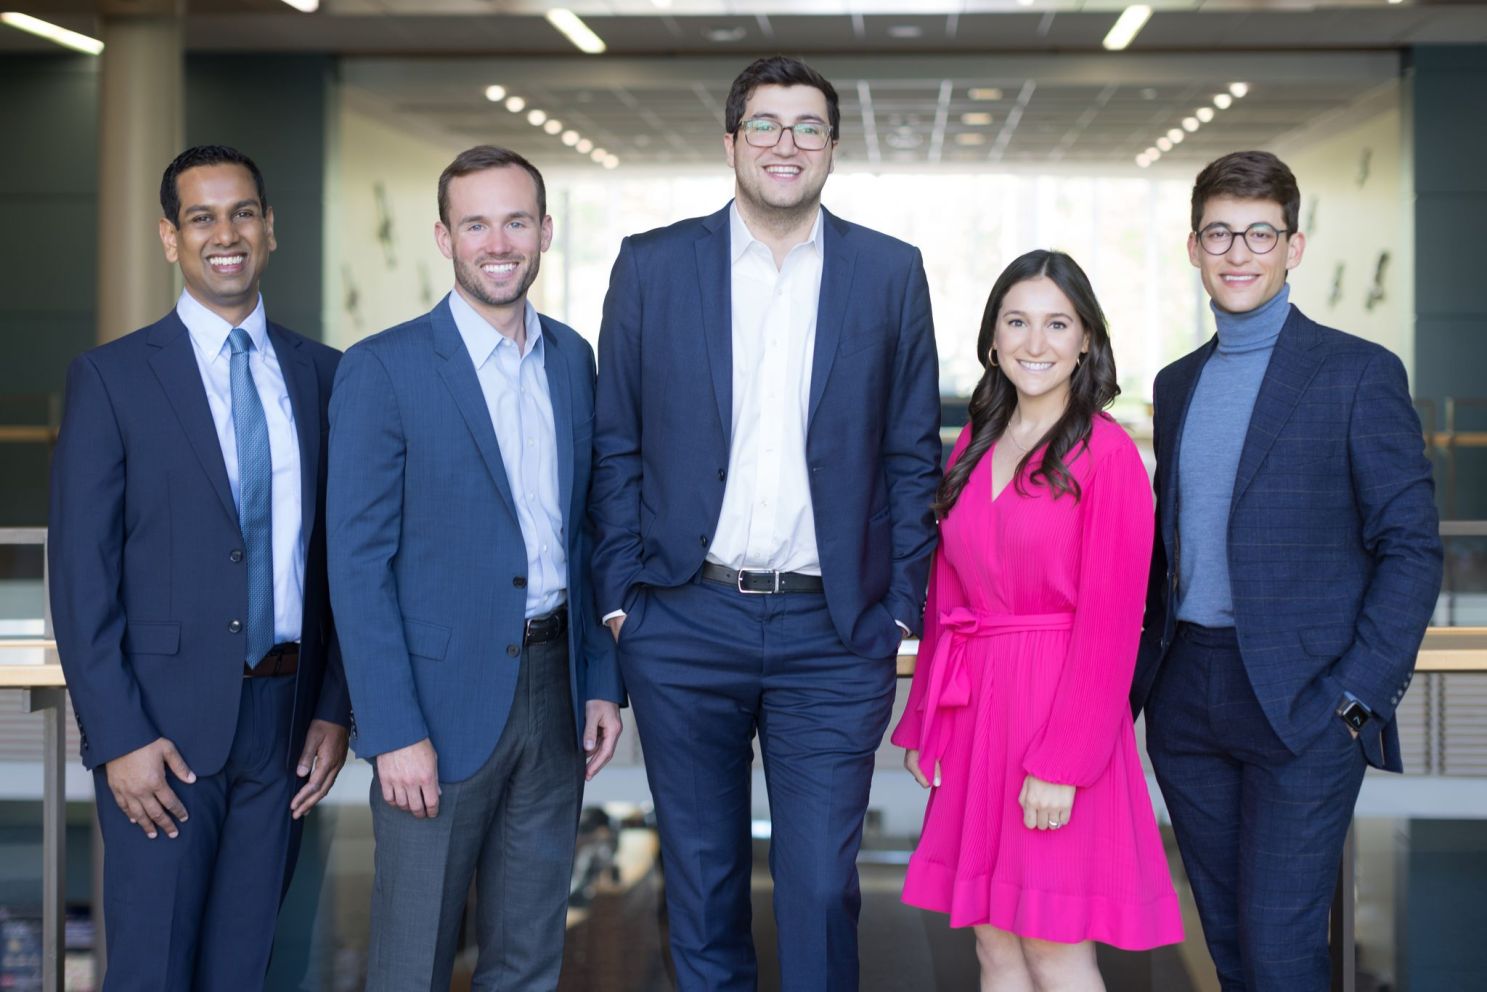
<point x="1039" y="338"/>
<point x="1239" y="280"/>
<point x="495" y="236"/>
<point x="783" y="179"/>
<point x="221" y="240"/>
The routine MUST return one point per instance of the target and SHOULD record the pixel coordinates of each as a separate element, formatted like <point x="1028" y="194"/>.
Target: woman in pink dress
<point x="1039" y="831"/>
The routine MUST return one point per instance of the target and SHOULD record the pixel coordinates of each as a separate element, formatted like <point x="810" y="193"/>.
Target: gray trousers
<point x="511" y="828"/>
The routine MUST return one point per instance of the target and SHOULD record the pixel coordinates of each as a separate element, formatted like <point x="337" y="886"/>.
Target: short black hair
<point x="1252" y="175"/>
<point x="483" y="157"/>
<point x="779" y="70"/>
<point x="191" y="158"/>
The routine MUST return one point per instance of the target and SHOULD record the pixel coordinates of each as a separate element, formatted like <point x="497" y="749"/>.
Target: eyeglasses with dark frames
<point x="1217" y="238"/>
<point x="809" y="136"/>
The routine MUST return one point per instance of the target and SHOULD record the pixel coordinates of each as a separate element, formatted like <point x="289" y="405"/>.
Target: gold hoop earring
<point x="992" y="359"/>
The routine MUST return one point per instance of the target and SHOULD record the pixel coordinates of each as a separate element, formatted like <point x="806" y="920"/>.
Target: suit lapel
<point x="458" y="373"/>
<point x="304" y="400"/>
<point x="174" y="364"/>
<point x="560" y="392"/>
<point x="839" y="258"/>
<point x="1292" y="366"/>
<point x="714" y="251"/>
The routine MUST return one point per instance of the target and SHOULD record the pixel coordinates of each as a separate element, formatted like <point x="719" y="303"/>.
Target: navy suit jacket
<point x="427" y="561"/>
<point x="665" y="411"/>
<point x="1334" y="541"/>
<point x="142" y="538"/>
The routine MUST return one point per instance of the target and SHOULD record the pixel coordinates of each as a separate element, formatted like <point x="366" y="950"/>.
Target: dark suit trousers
<point x="1261" y="830"/>
<point x="511" y="828"/>
<point x="198" y="912"/>
<point x="706" y="668"/>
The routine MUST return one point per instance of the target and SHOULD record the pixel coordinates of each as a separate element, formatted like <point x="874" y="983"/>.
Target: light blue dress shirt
<point x="209" y="342"/>
<point x="516" y="395"/>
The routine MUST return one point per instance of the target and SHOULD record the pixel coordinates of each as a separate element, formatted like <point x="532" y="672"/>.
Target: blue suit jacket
<point x="427" y="559"/>
<point x="143" y="528"/>
<point x="1334" y="542"/>
<point x="665" y="410"/>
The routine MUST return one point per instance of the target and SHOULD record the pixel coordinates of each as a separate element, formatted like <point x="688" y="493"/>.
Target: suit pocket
<point x="1327" y="642"/>
<point x="426" y="640"/>
<point x="152" y="638"/>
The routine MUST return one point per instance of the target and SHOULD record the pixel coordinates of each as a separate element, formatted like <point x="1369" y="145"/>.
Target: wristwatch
<point x="1353" y="712"/>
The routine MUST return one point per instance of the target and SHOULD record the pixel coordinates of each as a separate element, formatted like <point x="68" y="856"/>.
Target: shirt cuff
<point x="905" y="628"/>
<point x="619" y="613"/>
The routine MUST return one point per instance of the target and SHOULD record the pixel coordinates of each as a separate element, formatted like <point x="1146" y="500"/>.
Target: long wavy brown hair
<point x="1091" y="388"/>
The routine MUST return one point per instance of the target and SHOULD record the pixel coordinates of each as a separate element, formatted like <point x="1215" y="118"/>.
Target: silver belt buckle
<point x="757" y="571"/>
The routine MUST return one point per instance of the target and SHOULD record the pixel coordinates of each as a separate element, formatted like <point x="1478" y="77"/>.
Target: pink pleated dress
<point x="1029" y="644"/>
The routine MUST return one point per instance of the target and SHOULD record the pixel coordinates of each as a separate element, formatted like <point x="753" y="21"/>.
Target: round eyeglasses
<point x="1261" y="238"/>
<point x="809" y="136"/>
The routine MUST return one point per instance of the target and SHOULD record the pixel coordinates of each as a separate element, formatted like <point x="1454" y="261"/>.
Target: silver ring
<point x="1054" y="824"/>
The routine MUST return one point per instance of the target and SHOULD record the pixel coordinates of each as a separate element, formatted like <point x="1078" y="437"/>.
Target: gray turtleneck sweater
<point x="1208" y="459"/>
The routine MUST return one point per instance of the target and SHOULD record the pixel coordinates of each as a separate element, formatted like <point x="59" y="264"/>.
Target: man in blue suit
<point x="188" y="589"/>
<point x="459" y="556"/>
<point x="1296" y="565"/>
<point x="767" y="449"/>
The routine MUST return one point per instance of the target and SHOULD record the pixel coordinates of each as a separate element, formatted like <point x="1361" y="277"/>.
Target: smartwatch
<point x="1353" y="712"/>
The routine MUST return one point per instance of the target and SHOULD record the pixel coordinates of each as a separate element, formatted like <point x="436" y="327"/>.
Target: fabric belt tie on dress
<point x="949" y="676"/>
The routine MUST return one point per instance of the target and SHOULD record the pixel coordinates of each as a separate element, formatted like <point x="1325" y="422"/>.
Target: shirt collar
<point x="741" y="238"/>
<point x="210" y="331"/>
<point x="481" y="339"/>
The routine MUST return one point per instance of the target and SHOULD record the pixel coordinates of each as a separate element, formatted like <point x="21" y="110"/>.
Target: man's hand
<point x="601" y="729"/>
<point x="911" y="762"/>
<point x="139" y="785"/>
<point x="321" y="760"/>
<point x="614" y="624"/>
<point x="1045" y="806"/>
<point x="410" y="778"/>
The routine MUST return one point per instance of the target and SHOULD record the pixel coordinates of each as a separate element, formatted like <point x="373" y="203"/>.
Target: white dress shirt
<point x="516" y="395"/>
<point x="209" y="342"/>
<point x="767" y="520"/>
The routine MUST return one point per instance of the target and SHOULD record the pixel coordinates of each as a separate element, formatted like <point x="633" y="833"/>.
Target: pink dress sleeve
<point x="944" y="592"/>
<point x="1092" y="701"/>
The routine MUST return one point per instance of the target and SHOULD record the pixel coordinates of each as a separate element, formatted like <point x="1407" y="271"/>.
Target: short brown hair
<point x="483" y="157"/>
<point x="1250" y="175"/>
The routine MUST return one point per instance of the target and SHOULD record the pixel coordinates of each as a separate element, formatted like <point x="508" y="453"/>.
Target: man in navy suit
<point x="1296" y="564"/>
<point x="459" y="560"/>
<point x="188" y="590"/>
<point x="767" y="449"/>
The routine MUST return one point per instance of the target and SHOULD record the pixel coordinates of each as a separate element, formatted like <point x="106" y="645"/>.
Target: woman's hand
<point x="1045" y="806"/>
<point x="911" y="762"/>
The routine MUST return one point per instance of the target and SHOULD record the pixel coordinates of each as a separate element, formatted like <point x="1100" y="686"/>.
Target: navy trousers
<point x="1261" y="830"/>
<point x="198" y="912"/>
<point x="707" y="667"/>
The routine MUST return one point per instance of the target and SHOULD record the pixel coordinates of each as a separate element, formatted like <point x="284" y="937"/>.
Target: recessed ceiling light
<point x="304" y="6"/>
<point x="570" y="138"/>
<point x="725" y="36"/>
<point x="1143" y="160"/>
<point x="661" y="4"/>
<point x="611" y="161"/>
<point x="1148" y="93"/>
<point x="970" y="138"/>
<point x="575" y="30"/>
<point x="976" y="118"/>
<point x="1175" y="136"/>
<point x="1164" y="144"/>
<point x="984" y="93"/>
<point x="1024" y="3"/>
<point x="904" y="31"/>
<point x="1204" y="114"/>
<point x="553" y="125"/>
<point x="583" y="146"/>
<point x="1126" y="27"/>
<point x="598" y="154"/>
<point x="1223" y="101"/>
<point x="53" y="33"/>
<point x="1153" y="153"/>
<point x="495" y="94"/>
<point x="1190" y="124"/>
<point x="537" y="118"/>
<point x="515" y="104"/>
<point x="1239" y="89"/>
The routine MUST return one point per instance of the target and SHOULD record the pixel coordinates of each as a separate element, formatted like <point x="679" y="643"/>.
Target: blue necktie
<point x="255" y="497"/>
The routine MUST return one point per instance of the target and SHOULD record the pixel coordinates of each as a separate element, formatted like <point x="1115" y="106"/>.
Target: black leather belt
<point x="760" y="581"/>
<point x="282" y="659"/>
<point x="548" y="627"/>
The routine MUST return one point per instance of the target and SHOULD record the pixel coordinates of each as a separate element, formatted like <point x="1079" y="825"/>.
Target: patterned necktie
<point x="255" y="496"/>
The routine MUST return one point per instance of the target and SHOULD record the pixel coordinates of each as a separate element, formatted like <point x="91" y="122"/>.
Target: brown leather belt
<point x="757" y="581"/>
<point x="282" y="659"/>
<point x="548" y="627"/>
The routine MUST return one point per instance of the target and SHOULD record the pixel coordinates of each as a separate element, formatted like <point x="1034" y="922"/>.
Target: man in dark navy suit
<point x="1296" y="564"/>
<point x="767" y="448"/>
<point x="188" y="588"/>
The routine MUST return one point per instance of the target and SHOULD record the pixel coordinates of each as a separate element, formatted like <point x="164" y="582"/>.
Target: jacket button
<point x="235" y="555"/>
<point x="235" y="626"/>
<point x="722" y="474"/>
<point x="703" y="540"/>
<point x="513" y="650"/>
<point x="520" y="581"/>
